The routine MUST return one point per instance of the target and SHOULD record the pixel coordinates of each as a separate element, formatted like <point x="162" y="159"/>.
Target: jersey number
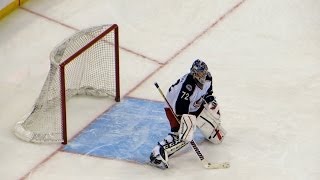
<point x="185" y="95"/>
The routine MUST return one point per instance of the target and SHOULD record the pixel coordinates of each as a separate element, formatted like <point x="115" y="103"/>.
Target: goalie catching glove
<point x="209" y="123"/>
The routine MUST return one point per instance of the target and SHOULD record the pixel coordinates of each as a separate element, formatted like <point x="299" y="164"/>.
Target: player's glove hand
<point x="211" y="99"/>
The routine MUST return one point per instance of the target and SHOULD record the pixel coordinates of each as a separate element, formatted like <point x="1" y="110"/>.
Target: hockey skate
<point x="159" y="157"/>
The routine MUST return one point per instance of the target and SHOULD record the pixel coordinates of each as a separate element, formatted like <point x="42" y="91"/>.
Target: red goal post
<point x="87" y="63"/>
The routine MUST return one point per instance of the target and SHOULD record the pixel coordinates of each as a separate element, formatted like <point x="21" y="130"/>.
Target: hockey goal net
<point x="87" y="63"/>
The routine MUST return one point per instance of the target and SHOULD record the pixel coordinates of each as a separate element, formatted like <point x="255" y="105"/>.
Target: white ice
<point x="264" y="57"/>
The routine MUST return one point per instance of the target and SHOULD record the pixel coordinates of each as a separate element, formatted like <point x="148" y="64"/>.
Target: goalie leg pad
<point x="160" y="154"/>
<point x="175" y="148"/>
<point x="172" y="143"/>
<point x="187" y="127"/>
<point x="209" y="124"/>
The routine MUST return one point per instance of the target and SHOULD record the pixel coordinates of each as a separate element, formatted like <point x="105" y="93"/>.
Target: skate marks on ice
<point x="128" y="131"/>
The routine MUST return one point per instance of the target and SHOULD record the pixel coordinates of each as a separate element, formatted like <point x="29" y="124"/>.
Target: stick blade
<point x="223" y="165"/>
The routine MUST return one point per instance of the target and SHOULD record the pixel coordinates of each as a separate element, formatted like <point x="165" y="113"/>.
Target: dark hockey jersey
<point x="185" y="96"/>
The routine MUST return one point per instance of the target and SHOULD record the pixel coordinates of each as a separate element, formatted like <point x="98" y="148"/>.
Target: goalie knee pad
<point x="187" y="127"/>
<point x="209" y="124"/>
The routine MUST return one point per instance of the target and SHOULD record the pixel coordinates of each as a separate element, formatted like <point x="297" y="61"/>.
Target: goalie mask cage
<point x="87" y="63"/>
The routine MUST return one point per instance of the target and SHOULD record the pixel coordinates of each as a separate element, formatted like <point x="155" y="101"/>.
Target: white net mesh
<point x="89" y="66"/>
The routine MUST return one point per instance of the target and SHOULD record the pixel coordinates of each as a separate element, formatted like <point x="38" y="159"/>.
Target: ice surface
<point x="265" y="61"/>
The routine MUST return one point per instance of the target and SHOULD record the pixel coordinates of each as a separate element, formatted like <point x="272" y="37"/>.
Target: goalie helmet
<point x="199" y="71"/>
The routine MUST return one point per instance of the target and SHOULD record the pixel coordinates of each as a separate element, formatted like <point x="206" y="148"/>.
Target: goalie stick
<point x="204" y="162"/>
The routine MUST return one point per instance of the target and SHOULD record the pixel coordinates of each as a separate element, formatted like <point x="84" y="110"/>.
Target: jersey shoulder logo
<point x="189" y="87"/>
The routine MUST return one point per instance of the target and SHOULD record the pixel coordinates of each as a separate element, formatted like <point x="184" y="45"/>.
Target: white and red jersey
<point x="185" y="96"/>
